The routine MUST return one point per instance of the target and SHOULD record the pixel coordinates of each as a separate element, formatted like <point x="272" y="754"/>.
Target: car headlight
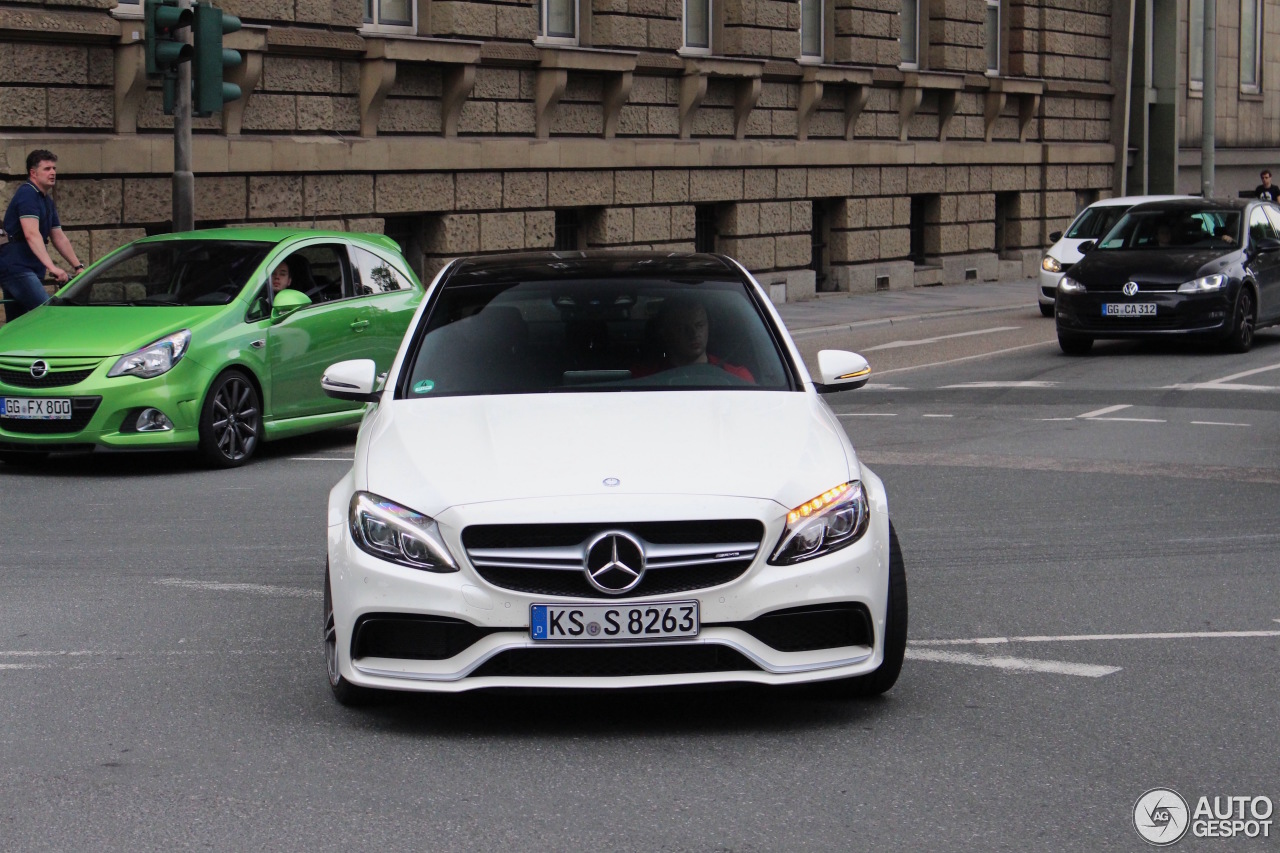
<point x="1204" y="284"/>
<point x="391" y="532"/>
<point x="1050" y="264"/>
<point x="1067" y="284"/>
<point x="153" y="359"/>
<point x="833" y="520"/>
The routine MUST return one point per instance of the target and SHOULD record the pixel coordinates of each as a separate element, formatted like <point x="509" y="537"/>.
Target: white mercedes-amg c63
<point x="606" y="470"/>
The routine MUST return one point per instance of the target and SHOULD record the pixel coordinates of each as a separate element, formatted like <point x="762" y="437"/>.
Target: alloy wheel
<point x="235" y="419"/>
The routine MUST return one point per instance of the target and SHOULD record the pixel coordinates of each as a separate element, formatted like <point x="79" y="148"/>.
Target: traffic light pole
<point x="184" y="181"/>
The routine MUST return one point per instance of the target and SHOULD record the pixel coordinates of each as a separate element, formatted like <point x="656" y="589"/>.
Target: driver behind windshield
<point x="683" y="329"/>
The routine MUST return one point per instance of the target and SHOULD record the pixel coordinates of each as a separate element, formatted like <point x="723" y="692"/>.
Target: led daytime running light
<point x="818" y="504"/>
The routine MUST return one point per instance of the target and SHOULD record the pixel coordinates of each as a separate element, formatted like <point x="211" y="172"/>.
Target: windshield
<point x="172" y="272"/>
<point x="584" y="335"/>
<point x="1095" y="221"/>
<point x="1199" y="230"/>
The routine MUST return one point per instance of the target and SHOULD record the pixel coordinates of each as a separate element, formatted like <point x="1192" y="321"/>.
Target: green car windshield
<point x="171" y="272"/>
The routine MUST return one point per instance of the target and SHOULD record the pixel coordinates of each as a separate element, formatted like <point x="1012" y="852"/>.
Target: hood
<point x="53" y="331"/>
<point x="1066" y="250"/>
<point x="435" y="454"/>
<point x="1109" y="269"/>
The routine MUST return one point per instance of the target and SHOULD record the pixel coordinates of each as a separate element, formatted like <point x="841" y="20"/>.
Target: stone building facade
<point x="828" y="144"/>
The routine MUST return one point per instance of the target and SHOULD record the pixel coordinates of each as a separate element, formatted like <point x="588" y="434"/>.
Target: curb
<point x="901" y="318"/>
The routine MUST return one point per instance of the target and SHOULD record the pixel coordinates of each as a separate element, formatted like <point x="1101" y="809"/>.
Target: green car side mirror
<point x="286" y="302"/>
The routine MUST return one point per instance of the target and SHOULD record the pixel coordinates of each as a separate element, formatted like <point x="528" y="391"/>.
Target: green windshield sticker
<point x="423" y="387"/>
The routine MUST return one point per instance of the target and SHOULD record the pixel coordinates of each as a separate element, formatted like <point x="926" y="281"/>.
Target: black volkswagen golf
<point x="1186" y="268"/>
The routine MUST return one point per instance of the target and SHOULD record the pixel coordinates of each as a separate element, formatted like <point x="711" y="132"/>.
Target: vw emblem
<point x="614" y="562"/>
<point x="1130" y="288"/>
<point x="611" y="481"/>
<point x="39" y="368"/>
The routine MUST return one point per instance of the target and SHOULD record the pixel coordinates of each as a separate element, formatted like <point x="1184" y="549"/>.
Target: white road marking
<point x="1242" y="375"/>
<point x="1053" y="419"/>
<point x="1054" y="667"/>
<point x="321" y="459"/>
<point x="256" y="588"/>
<point x="872" y="386"/>
<point x="1218" y="423"/>
<point x="964" y="358"/>
<point x="23" y="666"/>
<point x="1220" y="386"/>
<point x="922" y="341"/>
<point x="937" y="416"/>
<point x="866" y="414"/>
<point x="1108" y="410"/>
<point x="1131" y="420"/>
<point x="1078" y="638"/>
<point x="1025" y="384"/>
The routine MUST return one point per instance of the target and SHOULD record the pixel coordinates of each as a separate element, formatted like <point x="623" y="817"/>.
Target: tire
<point x="230" y="421"/>
<point x="1046" y="310"/>
<point x="23" y="458"/>
<point x="1245" y="320"/>
<point x="348" y="695"/>
<point x="895" y="637"/>
<point x="1074" y="344"/>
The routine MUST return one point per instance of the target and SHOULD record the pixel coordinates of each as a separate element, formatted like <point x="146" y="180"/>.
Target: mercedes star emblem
<point x="39" y="368"/>
<point x="1130" y="288"/>
<point x="614" y="562"/>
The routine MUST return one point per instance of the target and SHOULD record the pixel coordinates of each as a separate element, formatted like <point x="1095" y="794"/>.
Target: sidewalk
<point x="837" y="311"/>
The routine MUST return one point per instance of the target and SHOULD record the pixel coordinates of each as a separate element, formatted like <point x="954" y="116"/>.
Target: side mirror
<point x="1087" y="246"/>
<point x="286" y="302"/>
<point x="1266" y="244"/>
<point x="352" y="380"/>
<point x="1055" y="236"/>
<point x="841" y="371"/>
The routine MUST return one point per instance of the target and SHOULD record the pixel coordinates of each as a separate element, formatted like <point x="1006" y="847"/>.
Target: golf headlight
<point x="1067" y="284"/>
<point x="833" y="520"/>
<point x="153" y="359"/>
<point x="392" y="532"/>
<point x="1205" y="284"/>
<point x="1050" y="264"/>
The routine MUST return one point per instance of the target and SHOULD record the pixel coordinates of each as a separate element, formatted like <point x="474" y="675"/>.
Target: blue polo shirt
<point x="28" y="202"/>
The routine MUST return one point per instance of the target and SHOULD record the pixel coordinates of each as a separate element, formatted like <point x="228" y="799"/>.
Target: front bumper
<point x="1047" y="286"/>
<point x="1177" y="315"/>
<point x="104" y="409"/>
<point x="493" y="647"/>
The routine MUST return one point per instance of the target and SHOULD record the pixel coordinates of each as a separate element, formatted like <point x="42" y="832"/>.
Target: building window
<point x="819" y="246"/>
<point x="569" y="235"/>
<point x="911" y="33"/>
<point x="811" y="29"/>
<point x="390" y="15"/>
<point x="1195" y="45"/>
<point x="128" y="9"/>
<point x="697" y="26"/>
<point x="705" y="228"/>
<point x="993" y="36"/>
<point x="1250" y="45"/>
<point x="558" y="21"/>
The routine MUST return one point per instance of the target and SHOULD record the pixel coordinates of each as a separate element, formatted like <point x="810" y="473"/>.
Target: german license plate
<point x="36" y="408"/>
<point x="612" y="623"/>
<point x="1128" y="309"/>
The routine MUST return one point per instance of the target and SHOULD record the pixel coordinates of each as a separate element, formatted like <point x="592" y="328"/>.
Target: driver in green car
<point x="203" y="340"/>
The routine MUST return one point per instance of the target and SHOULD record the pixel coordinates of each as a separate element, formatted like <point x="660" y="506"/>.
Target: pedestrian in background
<point x="1266" y="189"/>
<point x="30" y="222"/>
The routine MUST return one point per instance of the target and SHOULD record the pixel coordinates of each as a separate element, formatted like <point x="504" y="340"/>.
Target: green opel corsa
<point x="213" y="340"/>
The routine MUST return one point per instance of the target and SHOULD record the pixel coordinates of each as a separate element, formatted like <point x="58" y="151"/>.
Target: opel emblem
<point x="614" y="562"/>
<point x="39" y="368"/>
<point x="1130" y="288"/>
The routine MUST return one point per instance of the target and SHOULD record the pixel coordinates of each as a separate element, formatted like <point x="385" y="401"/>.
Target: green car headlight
<point x="153" y="359"/>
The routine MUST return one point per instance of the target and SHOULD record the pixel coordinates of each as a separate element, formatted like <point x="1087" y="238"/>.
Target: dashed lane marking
<point x="1020" y="384"/>
<point x="1079" y="638"/>
<point x="1228" y="383"/>
<point x="923" y="341"/>
<point x="321" y="459"/>
<point x="1108" y="410"/>
<point x="255" y="588"/>
<point x="1053" y="667"/>
<point x="866" y="414"/>
<point x="991" y="354"/>
<point x="937" y="416"/>
<point x="1130" y="420"/>
<point x="1218" y="423"/>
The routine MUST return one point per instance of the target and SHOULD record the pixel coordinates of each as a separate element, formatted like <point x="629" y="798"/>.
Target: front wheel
<point x="1245" y="319"/>
<point x="895" y="636"/>
<point x="1046" y="309"/>
<point x="347" y="694"/>
<point x="1074" y="344"/>
<point x="230" y="421"/>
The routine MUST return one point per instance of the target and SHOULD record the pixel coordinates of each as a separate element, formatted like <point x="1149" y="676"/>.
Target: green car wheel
<point x="231" y="421"/>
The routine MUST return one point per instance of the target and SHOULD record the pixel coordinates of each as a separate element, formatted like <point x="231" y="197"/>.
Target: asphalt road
<point x="1091" y="550"/>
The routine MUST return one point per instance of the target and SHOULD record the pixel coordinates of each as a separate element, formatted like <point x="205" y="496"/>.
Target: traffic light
<point x="166" y="46"/>
<point x="209" y="92"/>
